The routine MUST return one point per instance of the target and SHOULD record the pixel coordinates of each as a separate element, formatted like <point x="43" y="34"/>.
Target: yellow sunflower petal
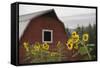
<point x="70" y="44"/>
<point x="45" y="46"/>
<point x="76" y="38"/>
<point x="74" y="33"/>
<point x="76" y="46"/>
<point x="85" y="37"/>
<point x="26" y="46"/>
<point x="37" y="46"/>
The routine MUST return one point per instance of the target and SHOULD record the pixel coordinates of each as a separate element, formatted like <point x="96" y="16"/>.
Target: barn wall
<point x="33" y="32"/>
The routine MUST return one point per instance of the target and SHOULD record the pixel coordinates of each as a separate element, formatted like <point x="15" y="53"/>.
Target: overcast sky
<point x="61" y="11"/>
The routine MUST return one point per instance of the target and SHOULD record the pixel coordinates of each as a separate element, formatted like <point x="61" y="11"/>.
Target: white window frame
<point x="51" y="35"/>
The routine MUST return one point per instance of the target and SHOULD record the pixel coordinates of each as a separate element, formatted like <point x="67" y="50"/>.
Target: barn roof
<point x="36" y="14"/>
<point x="24" y="19"/>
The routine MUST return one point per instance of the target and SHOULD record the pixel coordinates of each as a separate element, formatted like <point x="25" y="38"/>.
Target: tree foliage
<point x="90" y="29"/>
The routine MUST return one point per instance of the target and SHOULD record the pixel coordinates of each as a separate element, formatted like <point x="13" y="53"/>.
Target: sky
<point x="70" y="16"/>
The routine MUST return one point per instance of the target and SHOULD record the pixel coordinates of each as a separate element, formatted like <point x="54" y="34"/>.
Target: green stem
<point x="87" y="51"/>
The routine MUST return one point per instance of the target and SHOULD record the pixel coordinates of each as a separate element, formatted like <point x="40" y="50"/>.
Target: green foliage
<point x="90" y="29"/>
<point x="37" y="54"/>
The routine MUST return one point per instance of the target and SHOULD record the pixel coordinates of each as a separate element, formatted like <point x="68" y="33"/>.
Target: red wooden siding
<point x="33" y="32"/>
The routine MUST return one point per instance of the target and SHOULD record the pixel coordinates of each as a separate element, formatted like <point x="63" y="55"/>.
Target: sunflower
<point x="74" y="33"/>
<point x="70" y="44"/>
<point x="85" y="37"/>
<point x="26" y="46"/>
<point x="45" y="46"/>
<point x="76" y="38"/>
<point x="76" y="46"/>
<point x="37" y="46"/>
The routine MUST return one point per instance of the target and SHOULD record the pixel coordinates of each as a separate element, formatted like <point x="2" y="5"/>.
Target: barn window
<point x="47" y="36"/>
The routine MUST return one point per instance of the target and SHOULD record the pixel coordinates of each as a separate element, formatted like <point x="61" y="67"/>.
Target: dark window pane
<point x="47" y="36"/>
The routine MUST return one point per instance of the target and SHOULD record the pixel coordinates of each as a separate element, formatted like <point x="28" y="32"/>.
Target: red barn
<point x="43" y="27"/>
